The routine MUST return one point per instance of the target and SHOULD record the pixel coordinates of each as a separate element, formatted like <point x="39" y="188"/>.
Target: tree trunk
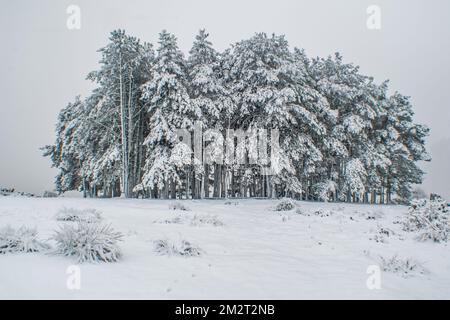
<point x="206" y="182"/>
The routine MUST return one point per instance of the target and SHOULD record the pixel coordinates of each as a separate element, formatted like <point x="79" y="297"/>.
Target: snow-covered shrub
<point x="317" y="212"/>
<point x="302" y="212"/>
<point x="178" y="219"/>
<point x="404" y="267"/>
<point x="178" y="206"/>
<point x="373" y="215"/>
<point x="285" y="204"/>
<point x="195" y="220"/>
<point x="85" y="215"/>
<point x="431" y="218"/>
<point x="231" y="203"/>
<point x="20" y="240"/>
<point x="382" y="234"/>
<point x="49" y="194"/>
<point x="323" y="213"/>
<point x="179" y="248"/>
<point x="6" y="190"/>
<point x="14" y="193"/>
<point x="202" y="219"/>
<point x="90" y="242"/>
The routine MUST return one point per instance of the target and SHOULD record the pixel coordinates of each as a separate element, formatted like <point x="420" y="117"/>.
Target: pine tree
<point x="67" y="154"/>
<point x="408" y="149"/>
<point x="167" y="100"/>
<point x="208" y="94"/>
<point x="125" y="66"/>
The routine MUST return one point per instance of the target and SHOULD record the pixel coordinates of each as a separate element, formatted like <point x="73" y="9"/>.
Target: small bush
<point x="431" y="218"/>
<point x="20" y="240"/>
<point x="323" y="213"/>
<point x="49" y="194"/>
<point x="76" y="215"/>
<point x="178" y="219"/>
<point x="285" y="204"/>
<point x="195" y="220"/>
<point x="404" y="267"/>
<point x="202" y="219"/>
<point x="231" y="203"/>
<point x="180" y="248"/>
<point x="374" y="215"/>
<point x="179" y="206"/>
<point x="88" y="242"/>
<point x="383" y="233"/>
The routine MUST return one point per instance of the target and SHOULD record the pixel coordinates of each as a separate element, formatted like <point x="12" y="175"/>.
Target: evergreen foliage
<point x="340" y="136"/>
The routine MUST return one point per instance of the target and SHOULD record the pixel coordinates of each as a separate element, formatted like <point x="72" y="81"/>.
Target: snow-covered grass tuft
<point x="205" y="219"/>
<point x="179" y="206"/>
<point x="285" y="204"/>
<point x="20" y="240"/>
<point x="178" y="219"/>
<point x="179" y="248"/>
<point x="430" y="218"/>
<point x="89" y="242"/>
<point x="405" y="267"/>
<point x="373" y="215"/>
<point x="231" y="203"/>
<point x="85" y="215"/>
<point x="383" y="233"/>
<point x="323" y="213"/>
<point x="193" y="220"/>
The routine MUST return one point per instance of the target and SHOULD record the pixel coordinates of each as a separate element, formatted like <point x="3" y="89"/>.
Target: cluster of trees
<point x="341" y="136"/>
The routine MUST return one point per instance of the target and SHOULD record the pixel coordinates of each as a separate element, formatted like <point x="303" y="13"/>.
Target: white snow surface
<point x="257" y="253"/>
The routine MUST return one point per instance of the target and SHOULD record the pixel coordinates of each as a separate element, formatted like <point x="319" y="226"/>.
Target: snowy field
<point x="249" y="251"/>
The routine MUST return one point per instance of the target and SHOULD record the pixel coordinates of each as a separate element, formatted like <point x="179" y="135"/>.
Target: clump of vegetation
<point x="202" y="219"/>
<point x="404" y="267"/>
<point x="77" y="215"/>
<point x="20" y="240"/>
<point x="179" y="206"/>
<point x="231" y="203"/>
<point x="13" y="192"/>
<point x="179" y="248"/>
<point x="89" y="242"/>
<point x="383" y="233"/>
<point x="430" y="218"/>
<point x="285" y="204"/>
<point x="49" y="194"/>
<point x="178" y="219"/>
<point x="323" y="213"/>
<point x="193" y="220"/>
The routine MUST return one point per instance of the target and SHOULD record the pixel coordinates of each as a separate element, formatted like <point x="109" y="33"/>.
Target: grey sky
<point x="43" y="64"/>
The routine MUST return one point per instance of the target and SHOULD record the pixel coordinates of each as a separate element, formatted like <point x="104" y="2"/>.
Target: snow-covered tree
<point x="166" y="97"/>
<point x="125" y="66"/>
<point x="67" y="152"/>
<point x="208" y="93"/>
<point x="275" y="123"/>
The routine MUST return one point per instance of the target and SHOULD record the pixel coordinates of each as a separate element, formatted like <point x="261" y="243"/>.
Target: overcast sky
<point x="43" y="64"/>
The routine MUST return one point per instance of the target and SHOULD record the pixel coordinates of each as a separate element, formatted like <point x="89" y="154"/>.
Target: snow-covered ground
<point x="257" y="253"/>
